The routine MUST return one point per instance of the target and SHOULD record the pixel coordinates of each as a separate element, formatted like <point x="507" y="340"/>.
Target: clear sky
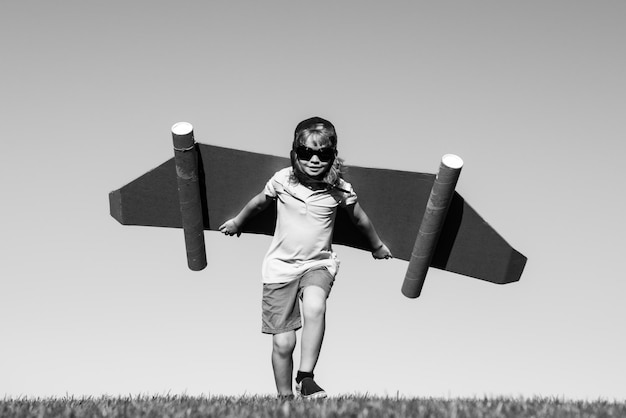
<point x="531" y="94"/>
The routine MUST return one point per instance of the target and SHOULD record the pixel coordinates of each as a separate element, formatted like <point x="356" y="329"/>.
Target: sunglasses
<point x="306" y="153"/>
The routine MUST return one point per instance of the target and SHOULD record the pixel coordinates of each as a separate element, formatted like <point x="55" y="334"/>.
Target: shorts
<point x="281" y="306"/>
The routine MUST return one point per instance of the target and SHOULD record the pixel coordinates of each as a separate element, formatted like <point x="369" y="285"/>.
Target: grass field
<point x="343" y="406"/>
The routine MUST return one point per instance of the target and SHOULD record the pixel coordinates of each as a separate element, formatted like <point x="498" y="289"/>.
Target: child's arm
<point x="254" y="206"/>
<point x="362" y="221"/>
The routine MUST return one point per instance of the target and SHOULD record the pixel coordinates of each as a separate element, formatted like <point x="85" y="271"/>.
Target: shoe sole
<point x="318" y="395"/>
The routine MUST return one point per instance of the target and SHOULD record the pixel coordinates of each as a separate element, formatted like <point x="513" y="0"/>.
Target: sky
<point x="531" y="94"/>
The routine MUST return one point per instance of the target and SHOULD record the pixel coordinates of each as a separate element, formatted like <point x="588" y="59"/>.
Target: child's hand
<point x="382" y="252"/>
<point x="230" y="227"/>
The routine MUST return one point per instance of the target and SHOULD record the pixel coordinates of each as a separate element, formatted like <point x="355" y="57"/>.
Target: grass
<point x="343" y="406"/>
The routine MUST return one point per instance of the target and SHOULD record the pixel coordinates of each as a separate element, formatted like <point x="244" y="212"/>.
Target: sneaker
<point x="308" y="389"/>
<point x="285" y="397"/>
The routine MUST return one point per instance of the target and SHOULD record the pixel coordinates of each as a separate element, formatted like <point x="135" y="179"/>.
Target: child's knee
<point x="314" y="302"/>
<point x="284" y="343"/>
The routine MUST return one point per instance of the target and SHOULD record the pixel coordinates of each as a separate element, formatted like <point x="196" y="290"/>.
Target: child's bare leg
<point x="282" y="361"/>
<point x="314" y="312"/>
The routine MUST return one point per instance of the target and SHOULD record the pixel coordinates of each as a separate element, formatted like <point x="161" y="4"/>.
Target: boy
<point x="300" y="263"/>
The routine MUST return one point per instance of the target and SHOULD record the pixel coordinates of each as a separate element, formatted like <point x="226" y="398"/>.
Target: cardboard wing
<point x="394" y="200"/>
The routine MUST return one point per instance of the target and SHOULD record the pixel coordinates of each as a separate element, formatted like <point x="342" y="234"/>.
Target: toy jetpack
<point x="419" y="216"/>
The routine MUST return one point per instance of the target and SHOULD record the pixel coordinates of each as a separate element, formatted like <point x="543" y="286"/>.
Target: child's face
<point x="314" y="167"/>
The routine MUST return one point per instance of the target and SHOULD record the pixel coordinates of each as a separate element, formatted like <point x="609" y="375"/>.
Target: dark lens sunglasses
<point x="306" y="153"/>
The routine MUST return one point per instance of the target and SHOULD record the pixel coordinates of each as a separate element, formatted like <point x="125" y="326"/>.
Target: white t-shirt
<point x="304" y="227"/>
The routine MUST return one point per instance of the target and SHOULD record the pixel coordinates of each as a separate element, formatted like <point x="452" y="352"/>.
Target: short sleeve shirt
<point x="304" y="227"/>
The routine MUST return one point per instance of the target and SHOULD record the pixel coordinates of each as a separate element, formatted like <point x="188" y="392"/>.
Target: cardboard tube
<point x="186" y="160"/>
<point x="432" y="224"/>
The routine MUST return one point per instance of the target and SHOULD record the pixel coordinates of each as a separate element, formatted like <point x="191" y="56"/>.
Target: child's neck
<point x="317" y="185"/>
<point x="311" y="183"/>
